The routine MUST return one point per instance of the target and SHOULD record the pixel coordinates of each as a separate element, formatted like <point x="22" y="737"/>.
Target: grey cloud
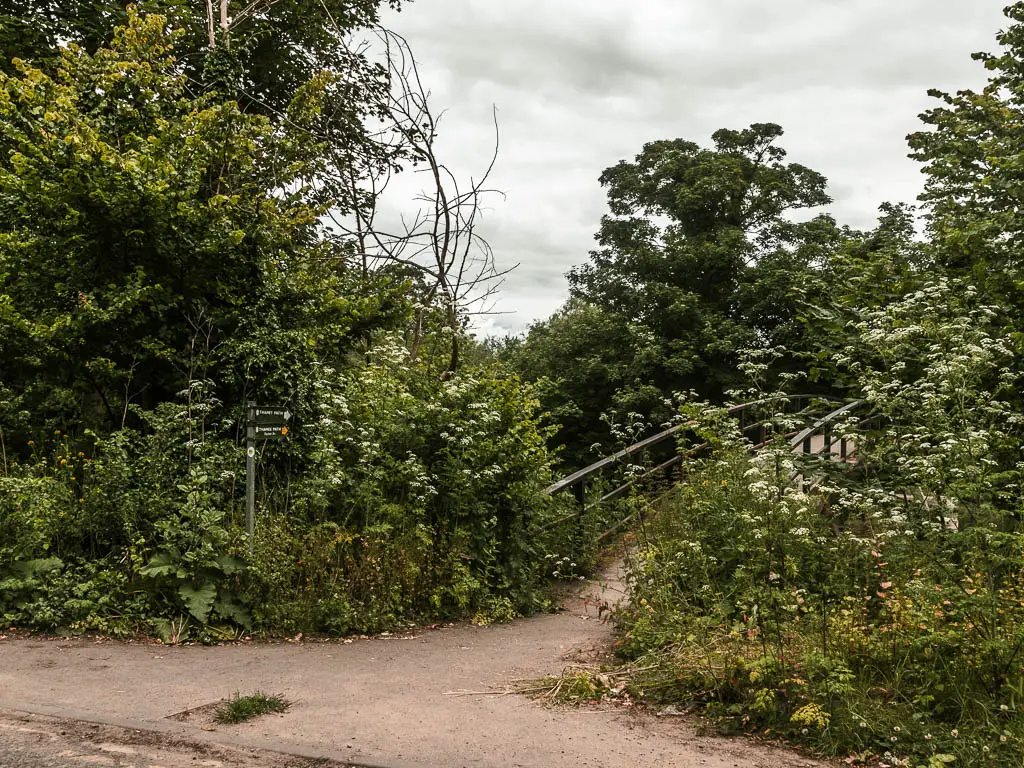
<point x="581" y="84"/>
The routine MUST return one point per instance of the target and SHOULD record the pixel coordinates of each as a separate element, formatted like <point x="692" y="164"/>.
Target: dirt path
<point x="383" y="701"/>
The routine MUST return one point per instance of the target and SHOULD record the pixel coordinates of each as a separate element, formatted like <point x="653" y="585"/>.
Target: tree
<point x="697" y="262"/>
<point x="692" y="231"/>
<point x="149" y="238"/>
<point x="863" y="272"/>
<point x="974" y="176"/>
<point x="591" y="361"/>
<point x="263" y="50"/>
<point x="439" y="241"/>
<point x="163" y="259"/>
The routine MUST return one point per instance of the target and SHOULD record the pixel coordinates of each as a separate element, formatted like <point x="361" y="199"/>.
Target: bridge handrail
<point x="597" y="466"/>
<point x="825" y="421"/>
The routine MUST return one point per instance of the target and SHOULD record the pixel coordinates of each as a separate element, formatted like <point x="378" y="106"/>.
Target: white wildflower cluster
<point x="931" y="359"/>
<point x="627" y="429"/>
<point x="420" y="482"/>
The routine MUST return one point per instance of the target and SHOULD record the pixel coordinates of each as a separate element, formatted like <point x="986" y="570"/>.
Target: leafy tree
<point x="866" y="271"/>
<point x="263" y="55"/>
<point x="591" y="361"/>
<point x="149" y="238"/>
<point x="697" y="262"/>
<point x="693" y="232"/>
<point x="264" y="51"/>
<point x="972" y="167"/>
<point x="974" y="181"/>
<point x="162" y="260"/>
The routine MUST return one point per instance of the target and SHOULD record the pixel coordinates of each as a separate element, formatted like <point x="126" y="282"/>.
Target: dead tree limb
<point x="440" y="238"/>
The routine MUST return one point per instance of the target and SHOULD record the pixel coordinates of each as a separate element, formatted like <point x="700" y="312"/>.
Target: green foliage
<point x="417" y="498"/>
<point x="146" y="242"/>
<point x="697" y="262"/>
<point x="161" y="262"/>
<point x="872" y="608"/>
<point x="697" y="251"/>
<point x="611" y="359"/>
<point x="85" y="596"/>
<point x="271" y="50"/>
<point x="159" y="554"/>
<point x="881" y="612"/>
<point x="421" y="497"/>
<point x="239" y="709"/>
<point x="971" y="157"/>
<point x="867" y="271"/>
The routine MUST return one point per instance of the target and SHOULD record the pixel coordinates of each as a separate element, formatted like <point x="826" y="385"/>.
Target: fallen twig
<point x="507" y="692"/>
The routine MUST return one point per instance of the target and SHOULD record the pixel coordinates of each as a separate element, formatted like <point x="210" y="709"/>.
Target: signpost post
<point x="265" y="423"/>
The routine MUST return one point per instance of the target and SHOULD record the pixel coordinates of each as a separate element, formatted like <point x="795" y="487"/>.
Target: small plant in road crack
<point x="241" y="708"/>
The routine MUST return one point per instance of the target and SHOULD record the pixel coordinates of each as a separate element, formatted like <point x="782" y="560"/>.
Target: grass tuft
<point x="241" y="708"/>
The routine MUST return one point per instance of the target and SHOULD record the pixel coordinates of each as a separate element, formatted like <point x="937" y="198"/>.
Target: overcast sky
<point x="582" y="84"/>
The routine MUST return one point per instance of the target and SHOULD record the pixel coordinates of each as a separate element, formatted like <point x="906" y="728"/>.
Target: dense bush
<point x="163" y="260"/>
<point x="400" y="497"/>
<point x="426" y="495"/>
<point x="879" y="611"/>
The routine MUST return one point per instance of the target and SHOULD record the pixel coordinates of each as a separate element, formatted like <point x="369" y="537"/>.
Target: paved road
<point x="31" y="741"/>
<point x="435" y="697"/>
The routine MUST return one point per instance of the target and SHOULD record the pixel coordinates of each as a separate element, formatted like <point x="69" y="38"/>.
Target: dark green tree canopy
<point x="688" y="223"/>
<point x="143" y="228"/>
<point x="697" y="262"/>
<point x="740" y="183"/>
<point x="694" y="234"/>
<point x="972" y="163"/>
<point x="163" y="261"/>
<point x="270" y="50"/>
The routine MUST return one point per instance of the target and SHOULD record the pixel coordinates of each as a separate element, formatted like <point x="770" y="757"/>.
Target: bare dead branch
<point x="440" y="237"/>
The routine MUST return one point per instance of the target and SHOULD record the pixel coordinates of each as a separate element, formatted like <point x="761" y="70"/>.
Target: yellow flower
<point x="811" y="714"/>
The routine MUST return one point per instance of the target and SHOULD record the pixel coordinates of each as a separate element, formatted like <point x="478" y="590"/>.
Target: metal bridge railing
<point x="804" y="440"/>
<point x="750" y="416"/>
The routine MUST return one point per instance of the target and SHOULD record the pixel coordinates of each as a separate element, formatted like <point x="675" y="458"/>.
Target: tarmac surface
<point x="435" y="697"/>
<point x="34" y="741"/>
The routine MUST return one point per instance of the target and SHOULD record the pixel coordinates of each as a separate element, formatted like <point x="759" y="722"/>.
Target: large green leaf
<point x="229" y="565"/>
<point x="161" y="564"/>
<point x="198" y="601"/>
<point x="228" y="608"/>
<point x="31" y="568"/>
